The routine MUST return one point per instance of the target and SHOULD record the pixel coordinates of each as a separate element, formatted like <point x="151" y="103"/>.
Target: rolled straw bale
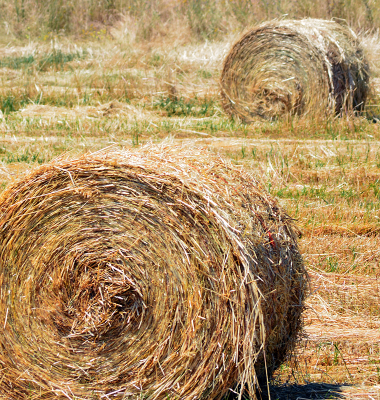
<point x="156" y="274"/>
<point x="298" y="67"/>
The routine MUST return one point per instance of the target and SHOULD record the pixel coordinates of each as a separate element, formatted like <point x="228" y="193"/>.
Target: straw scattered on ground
<point x="111" y="109"/>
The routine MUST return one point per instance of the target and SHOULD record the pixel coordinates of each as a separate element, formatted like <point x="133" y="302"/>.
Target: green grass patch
<point x="185" y="107"/>
<point x="56" y="59"/>
<point x="24" y="156"/>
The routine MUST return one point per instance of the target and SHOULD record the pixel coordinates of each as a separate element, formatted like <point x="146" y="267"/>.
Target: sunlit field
<point x="111" y="87"/>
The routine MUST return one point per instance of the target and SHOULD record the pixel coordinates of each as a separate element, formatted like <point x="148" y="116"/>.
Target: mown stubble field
<point x="61" y="99"/>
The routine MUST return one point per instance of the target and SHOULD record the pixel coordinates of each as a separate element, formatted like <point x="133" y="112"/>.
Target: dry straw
<point x="297" y="67"/>
<point x="112" y="109"/>
<point x="154" y="274"/>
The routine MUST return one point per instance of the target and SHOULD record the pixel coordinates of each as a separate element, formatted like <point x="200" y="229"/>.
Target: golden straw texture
<point x="161" y="273"/>
<point x="294" y="67"/>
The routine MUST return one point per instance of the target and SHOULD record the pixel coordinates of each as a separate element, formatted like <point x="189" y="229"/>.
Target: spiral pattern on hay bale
<point x="297" y="67"/>
<point x="153" y="274"/>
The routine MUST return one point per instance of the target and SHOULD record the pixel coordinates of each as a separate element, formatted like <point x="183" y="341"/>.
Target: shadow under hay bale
<point x="308" y="391"/>
<point x="150" y="274"/>
<point x="295" y="67"/>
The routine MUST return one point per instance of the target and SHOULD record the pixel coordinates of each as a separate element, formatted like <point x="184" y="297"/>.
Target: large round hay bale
<point x="307" y="66"/>
<point x="152" y="274"/>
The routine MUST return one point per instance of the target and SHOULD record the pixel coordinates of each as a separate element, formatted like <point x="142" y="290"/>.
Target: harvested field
<point x="324" y="171"/>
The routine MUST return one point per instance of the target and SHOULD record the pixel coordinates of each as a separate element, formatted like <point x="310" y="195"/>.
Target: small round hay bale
<point x="151" y="274"/>
<point x="297" y="67"/>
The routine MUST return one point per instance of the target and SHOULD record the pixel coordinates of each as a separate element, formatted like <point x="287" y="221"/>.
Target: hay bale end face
<point x="294" y="67"/>
<point x="158" y="273"/>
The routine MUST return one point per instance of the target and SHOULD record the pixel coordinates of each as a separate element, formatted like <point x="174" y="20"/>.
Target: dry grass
<point x="111" y="109"/>
<point x="187" y="21"/>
